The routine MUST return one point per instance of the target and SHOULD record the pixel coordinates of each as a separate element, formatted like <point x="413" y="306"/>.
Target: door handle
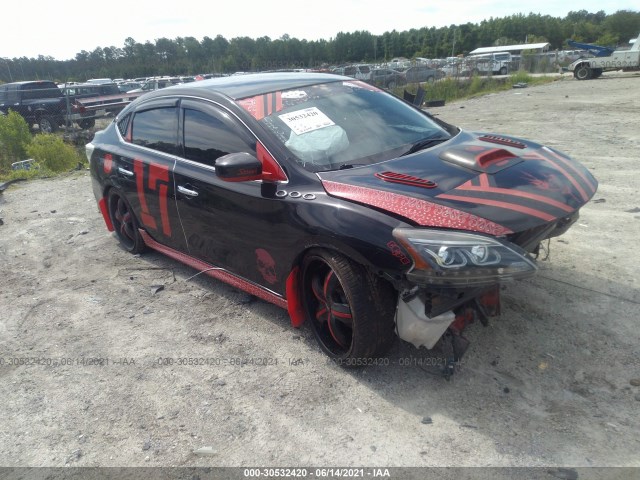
<point x="126" y="172"/>
<point x="187" y="192"/>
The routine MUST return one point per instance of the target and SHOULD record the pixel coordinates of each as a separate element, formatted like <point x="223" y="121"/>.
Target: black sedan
<point x="357" y="212"/>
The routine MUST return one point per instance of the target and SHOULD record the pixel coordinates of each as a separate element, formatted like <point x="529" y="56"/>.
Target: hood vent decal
<point x="404" y="179"/>
<point x="502" y="141"/>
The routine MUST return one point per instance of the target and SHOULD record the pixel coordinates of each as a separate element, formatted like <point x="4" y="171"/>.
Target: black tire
<point x="125" y="223"/>
<point x="351" y="311"/>
<point x="583" y="72"/>
<point x="391" y="85"/>
<point x="47" y="124"/>
<point x="503" y="71"/>
<point x="87" y="123"/>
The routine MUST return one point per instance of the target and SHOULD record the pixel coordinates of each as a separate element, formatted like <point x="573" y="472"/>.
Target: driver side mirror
<point x="238" y="167"/>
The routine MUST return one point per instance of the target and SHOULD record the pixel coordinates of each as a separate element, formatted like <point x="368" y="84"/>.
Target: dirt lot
<point x="550" y="383"/>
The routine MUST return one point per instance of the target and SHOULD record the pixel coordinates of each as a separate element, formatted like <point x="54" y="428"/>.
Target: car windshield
<point x="339" y="124"/>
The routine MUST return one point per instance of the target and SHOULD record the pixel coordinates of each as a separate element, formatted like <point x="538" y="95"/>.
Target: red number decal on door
<point x="157" y="174"/>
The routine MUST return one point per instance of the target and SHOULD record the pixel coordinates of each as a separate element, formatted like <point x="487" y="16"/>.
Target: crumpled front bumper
<point x="423" y="317"/>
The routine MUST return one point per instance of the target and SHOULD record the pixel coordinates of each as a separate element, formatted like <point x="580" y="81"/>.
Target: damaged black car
<point x="362" y="215"/>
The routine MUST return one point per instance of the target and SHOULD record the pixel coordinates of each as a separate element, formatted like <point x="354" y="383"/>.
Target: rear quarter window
<point x="40" y="90"/>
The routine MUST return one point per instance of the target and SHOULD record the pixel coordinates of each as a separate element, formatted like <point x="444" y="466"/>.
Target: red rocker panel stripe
<point x="221" y="275"/>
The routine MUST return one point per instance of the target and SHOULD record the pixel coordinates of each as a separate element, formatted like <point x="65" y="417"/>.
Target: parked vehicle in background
<point x="128" y="86"/>
<point x="39" y="102"/>
<point x="361" y="72"/>
<point x="398" y="63"/>
<point x="93" y="100"/>
<point x="626" y="60"/>
<point x="100" y="80"/>
<point x="422" y="73"/>
<point x="83" y="90"/>
<point x="454" y="67"/>
<point x="489" y="63"/>
<point x="83" y="117"/>
<point x="387" y="78"/>
<point x="157" y="84"/>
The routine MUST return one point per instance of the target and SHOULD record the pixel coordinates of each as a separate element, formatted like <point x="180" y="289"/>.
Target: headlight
<point x="460" y="259"/>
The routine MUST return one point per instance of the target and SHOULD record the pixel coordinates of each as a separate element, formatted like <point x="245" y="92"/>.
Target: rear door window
<point x="156" y="128"/>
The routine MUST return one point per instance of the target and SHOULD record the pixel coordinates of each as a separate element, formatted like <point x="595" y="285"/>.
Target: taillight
<point x="78" y="107"/>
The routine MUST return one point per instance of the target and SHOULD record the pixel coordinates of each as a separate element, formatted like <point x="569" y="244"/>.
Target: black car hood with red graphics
<point x="487" y="183"/>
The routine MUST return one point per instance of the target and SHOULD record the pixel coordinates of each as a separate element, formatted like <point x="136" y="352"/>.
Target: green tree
<point x="14" y="140"/>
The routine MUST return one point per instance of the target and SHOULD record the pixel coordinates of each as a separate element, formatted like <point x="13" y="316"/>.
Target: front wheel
<point x="583" y="72"/>
<point x="125" y="223"/>
<point x="391" y="85"/>
<point x="503" y="71"/>
<point x="350" y="309"/>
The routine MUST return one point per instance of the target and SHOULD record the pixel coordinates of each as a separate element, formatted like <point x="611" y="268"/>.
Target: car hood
<point x="494" y="184"/>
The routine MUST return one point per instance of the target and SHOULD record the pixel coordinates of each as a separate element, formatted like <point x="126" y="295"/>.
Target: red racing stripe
<point x="517" y="193"/>
<point x="575" y="169"/>
<point x="484" y="180"/>
<point x="495" y="203"/>
<point x="574" y="182"/>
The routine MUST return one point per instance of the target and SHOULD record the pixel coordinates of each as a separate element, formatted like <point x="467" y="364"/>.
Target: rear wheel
<point x="351" y="311"/>
<point x="391" y="85"/>
<point x="583" y="72"/>
<point x="47" y="124"/>
<point x="87" y="123"/>
<point x="125" y="223"/>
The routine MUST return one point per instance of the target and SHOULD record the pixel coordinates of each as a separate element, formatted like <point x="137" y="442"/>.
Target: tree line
<point x="190" y="56"/>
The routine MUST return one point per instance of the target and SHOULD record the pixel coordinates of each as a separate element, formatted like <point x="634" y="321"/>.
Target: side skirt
<point x="217" y="273"/>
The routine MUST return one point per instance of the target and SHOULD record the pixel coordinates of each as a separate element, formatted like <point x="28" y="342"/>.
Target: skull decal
<point x="266" y="266"/>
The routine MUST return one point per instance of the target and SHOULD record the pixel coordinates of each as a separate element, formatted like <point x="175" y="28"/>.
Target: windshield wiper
<point x="344" y="166"/>
<point x="424" y="143"/>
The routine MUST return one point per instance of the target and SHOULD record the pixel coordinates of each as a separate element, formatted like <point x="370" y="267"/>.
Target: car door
<point x="144" y="170"/>
<point x="232" y="225"/>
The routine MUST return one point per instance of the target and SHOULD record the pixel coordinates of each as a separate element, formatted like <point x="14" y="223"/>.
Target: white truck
<point x="626" y="60"/>
<point x="498" y="63"/>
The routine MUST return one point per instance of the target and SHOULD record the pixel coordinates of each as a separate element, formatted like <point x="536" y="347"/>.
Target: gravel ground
<point x="108" y="336"/>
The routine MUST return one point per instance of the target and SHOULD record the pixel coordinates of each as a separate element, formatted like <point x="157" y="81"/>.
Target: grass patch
<point x="30" y="174"/>
<point x="452" y="89"/>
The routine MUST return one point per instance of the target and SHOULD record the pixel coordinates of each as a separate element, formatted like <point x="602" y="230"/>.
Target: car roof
<point x="26" y="82"/>
<point x="242" y="86"/>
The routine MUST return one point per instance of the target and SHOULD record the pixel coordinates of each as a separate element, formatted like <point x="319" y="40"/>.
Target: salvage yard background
<point x="555" y="381"/>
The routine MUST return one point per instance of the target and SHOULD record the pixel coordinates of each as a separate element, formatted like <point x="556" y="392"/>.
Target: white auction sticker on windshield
<point x="307" y="120"/>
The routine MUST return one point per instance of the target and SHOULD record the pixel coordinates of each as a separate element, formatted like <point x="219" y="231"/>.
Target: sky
<point x="62" y="29"/>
